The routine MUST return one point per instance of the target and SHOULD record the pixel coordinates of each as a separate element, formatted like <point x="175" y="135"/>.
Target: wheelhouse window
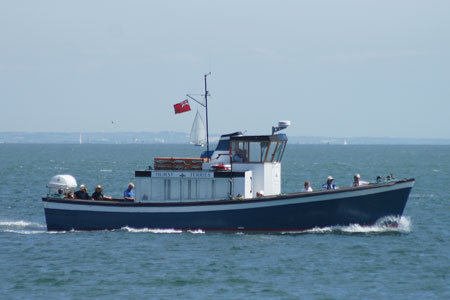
<point x="240" y="151"/>
<point x="279" y="151"/>
<point x="255" y="152"/>
<point x="266" y="148"/>
<point x="258" y="150"/>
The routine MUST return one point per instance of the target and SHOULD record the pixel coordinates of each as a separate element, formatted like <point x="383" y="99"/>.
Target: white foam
<point x="22" y="227"/>
<point x="198" y="231"/>
<point x="381" y="226"/>
<point x="150" y="230"/>
<point x="20" y="223"/>
<point x="157" y="230"/>
<point x="27" y="232"/>
<point x="24" y="231"/>
<point x="320" y="230"/>
<point x="105" y="170"/>
<point x="404" y="224"/>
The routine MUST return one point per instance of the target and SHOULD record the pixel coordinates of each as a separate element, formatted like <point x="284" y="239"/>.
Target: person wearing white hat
<point x="329" y="185"/>
<point x="357" y="181"/>
<point x="82" y="193"/>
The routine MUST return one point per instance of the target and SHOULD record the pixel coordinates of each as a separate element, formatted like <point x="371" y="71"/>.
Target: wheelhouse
<point x="258" y="149"/>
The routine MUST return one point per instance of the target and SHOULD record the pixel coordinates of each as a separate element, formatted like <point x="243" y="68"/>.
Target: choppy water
<point x="353" y="262"/>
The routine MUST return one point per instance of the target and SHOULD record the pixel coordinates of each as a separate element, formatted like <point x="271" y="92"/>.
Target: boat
<point x="198" y="131"/>
<point x="235" y="187"/>
<point x="203" y="194"/>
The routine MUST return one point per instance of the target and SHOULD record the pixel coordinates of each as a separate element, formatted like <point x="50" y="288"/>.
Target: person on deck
<point x="357" y="181"/>
<point x="69" y="195"/>
<point x="307" y="187"/>
<point x="329" y="185"/>
<point x="82" y="193"/>
<point x="128" y="194"/>
<point x="97" y="195"/>
<point x="379" y="179"/>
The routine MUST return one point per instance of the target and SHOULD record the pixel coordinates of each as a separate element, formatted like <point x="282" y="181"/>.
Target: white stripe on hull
<point x="224" y="207"/>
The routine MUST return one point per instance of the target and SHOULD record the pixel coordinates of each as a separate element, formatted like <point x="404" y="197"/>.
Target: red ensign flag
<point x="182" y="107"/>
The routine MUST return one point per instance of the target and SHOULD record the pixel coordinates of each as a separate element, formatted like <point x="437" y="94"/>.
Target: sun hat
<point x="330" y="178"/>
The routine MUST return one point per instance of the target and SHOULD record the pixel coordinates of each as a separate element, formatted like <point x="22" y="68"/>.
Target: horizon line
<point x="218" y="135"/>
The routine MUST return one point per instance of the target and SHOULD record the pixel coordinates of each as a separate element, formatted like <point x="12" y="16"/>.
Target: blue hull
<point x="363" y="205"/>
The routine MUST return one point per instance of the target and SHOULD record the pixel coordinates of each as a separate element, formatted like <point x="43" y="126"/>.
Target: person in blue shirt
<point x="329" y="185"/>
<point x="128" y="194"/>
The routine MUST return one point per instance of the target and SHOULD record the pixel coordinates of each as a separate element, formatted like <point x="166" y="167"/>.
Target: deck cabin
<point x="239" y="168"/>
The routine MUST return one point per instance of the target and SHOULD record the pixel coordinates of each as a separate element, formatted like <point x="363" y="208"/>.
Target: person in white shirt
<point x="358" y="182"/>
<point x="307" y="187"/>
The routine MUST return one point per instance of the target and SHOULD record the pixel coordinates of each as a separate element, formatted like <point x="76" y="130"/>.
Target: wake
<point x="385" y="225"/>
<point x="22" y="227"/>
<point x="156" y="230"/>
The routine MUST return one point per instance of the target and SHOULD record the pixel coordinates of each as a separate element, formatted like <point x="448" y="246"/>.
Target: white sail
<point x="198" y="131"/>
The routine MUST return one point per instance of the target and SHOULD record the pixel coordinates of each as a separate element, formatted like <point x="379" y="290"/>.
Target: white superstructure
<point x="241" y="167"/>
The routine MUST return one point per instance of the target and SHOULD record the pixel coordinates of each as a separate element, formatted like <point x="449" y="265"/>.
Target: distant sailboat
<point x="198" y="131"/>
<point x="81" y="139"/>
<point x="345" y="142"/>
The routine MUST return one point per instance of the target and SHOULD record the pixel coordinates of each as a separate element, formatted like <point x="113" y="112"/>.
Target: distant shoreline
<point x="169" y="137"/>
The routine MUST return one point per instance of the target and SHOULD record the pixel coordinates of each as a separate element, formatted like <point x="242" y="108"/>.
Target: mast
<point x="206" y="107"/>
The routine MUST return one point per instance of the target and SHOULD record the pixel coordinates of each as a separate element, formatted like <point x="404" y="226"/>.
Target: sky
<point x="333" y="68"/>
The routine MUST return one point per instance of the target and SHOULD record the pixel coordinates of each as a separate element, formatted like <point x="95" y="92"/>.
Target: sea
<point x="410" y="261"/>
